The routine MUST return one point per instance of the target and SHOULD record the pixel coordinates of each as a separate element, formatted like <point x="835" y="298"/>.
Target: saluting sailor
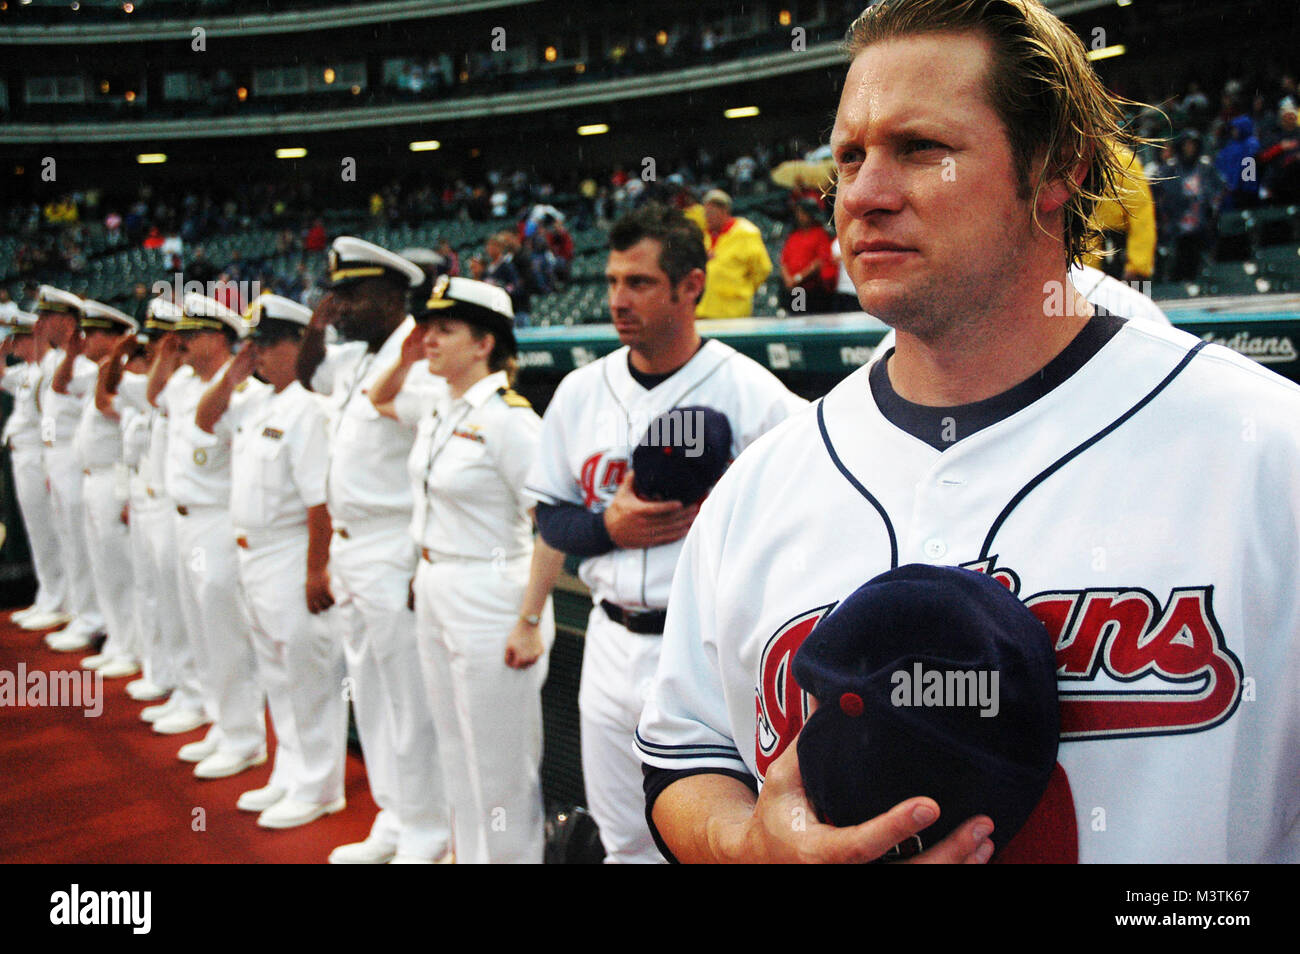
<point x="198" y="481"/>
<point x="98" y="443"/>
<point x="57" y="314"/>
<point x="372" y="557"/>
<point x="282" y="528"/>
<point x="22" y="435"/>
<point x="484" y="621"/>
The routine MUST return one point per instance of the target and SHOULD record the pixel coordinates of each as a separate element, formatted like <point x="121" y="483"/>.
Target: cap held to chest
<point x="683" y="454"/>
<point x="933" y="681"/>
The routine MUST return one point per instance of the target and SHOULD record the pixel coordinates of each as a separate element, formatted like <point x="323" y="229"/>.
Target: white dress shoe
<point x="198" y="751"/>
<point x="180" y="721"/>
<point x="17" y="616"/>
<point x="68" y="641"/>
<point x="33" y="621"/>
<point x="225" y="764"/>
<point x="260" y="799"/>
<point x="154" y="713"/>
<point x="368" y="852"/>
<point x="289" y="813"/>
<point x="119" y="668"/>
<point x="97" y="661"/>
<point x="143" y="690"/>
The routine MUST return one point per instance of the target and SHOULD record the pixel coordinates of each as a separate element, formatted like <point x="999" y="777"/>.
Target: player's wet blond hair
<point x="1052" y="104"/>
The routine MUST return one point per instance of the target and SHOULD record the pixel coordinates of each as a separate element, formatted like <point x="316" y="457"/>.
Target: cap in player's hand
<point x="933" y="681"/>
<point x="682" y="455"/>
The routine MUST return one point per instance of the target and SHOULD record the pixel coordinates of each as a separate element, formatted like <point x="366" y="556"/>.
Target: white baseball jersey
<point x="597" y="418"/>
<point x="1146" y="509"/>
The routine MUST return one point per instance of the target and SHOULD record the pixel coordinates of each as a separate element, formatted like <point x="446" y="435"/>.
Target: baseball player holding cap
<point x="1067" y="455"/>
<point x="57" y="315"/>
<point x="98" y="443"/>
<point x="482" y="591"/>
<point x="372" y="558"/>
<point x="22" y="435"/>
<point x="277" y="505"/>
<point x="199" y="483"/>
<point x="587" y="506"/>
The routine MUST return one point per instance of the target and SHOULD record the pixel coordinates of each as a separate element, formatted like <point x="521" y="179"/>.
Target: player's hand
<point x="326" y="313"/>
<point x="319" y="597"/>
<point x="241" y="366"/>
<point x="524" y="645"/>
<point x="634" y="523"/>
<point x="76" y="343"/>
<point x="412" y="347"/>
<point x="784" y="829"/>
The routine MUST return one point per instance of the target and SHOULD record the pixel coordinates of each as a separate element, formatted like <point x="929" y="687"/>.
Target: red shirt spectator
<point x="316" y="240"/>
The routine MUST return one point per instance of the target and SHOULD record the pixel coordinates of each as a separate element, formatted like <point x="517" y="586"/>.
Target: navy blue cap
<point x="682" y="455"/>
<point x="904" y="672"/>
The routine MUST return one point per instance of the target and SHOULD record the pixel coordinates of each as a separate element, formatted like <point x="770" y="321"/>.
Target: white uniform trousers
<point x="64" y="471"/>
<point x="212" y="604"/>
<point x="488" y="716"/>
<point x="110" y="561"/>
<point x="617" y="670"/>
<point x="300" y="660"/>
<point x="175" y="649"/>
<point x="370" y="571"/>
<point x="145" y="598"/>
<point x="42" y="537"/>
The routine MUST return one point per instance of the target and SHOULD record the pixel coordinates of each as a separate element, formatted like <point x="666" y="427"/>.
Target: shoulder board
<point x="513" y="398"/>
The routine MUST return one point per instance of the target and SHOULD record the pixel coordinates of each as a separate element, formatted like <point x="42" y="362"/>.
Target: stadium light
<point x="1107" y="52"/>
<point x="595" y="129"/>
<point x="1123" y="3"/>
<point x="740" y="112"/>
<point x="425" y="145"/>
<point x="151" y="158"/>
<point x="293" y="152"/>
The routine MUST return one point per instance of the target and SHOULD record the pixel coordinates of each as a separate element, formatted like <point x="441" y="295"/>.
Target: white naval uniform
<point x="198" y="481"/>
<point x="22" y="434"/>
<point x="471" y="521"/>
<point x="1147" y="509"/>
<point x="168" y="652"/>
<point x="597" y="417"/>
<point x="280" y="455"/>
<point x="135" y="426"/>
<point x="60" y="415"/>
<point x="98" y="443"/>
<point x="372" y="561"/>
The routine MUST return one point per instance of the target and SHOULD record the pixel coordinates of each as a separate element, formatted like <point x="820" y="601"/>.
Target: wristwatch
<point x="532" y="619"/>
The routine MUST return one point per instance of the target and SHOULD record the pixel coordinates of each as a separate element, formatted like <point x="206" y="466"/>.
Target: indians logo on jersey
<point x="1128" y="664"/>
<point x="600" y="476"/>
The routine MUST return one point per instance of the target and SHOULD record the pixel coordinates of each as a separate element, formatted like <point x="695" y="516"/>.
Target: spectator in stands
<point x="154" y="240"/>
<point x="1131" y="216"/>
<point x="1188" y="191"/>
<point x="449" y="255"/>
<point x="316" y="240"/>
<point x="501" y="269"/>
<point x="1236" y="162"/>
<point x="477" y="268"/>
<point x="738" y="261"/>
<point x="808" y="263"/>
<point x="560" y="242"/>
<point x="1280" y="161"/>
<point x="113" y="230"/>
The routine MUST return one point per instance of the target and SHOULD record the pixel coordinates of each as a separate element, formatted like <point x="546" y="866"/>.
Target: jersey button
<point x="935" y="548"/>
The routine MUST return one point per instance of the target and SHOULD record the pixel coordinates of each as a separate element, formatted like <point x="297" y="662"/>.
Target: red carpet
<point x="108" y="789"/>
